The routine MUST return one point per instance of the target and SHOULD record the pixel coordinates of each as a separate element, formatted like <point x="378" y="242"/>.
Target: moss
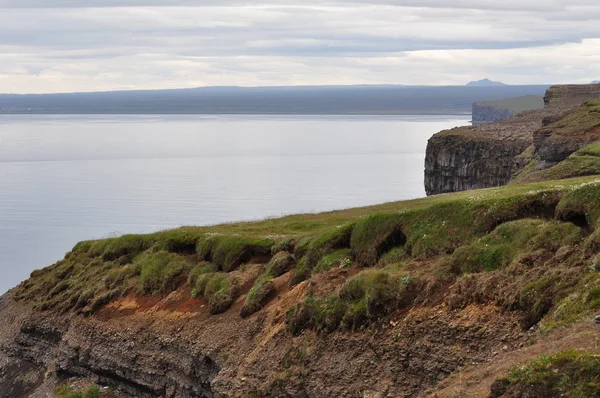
<point x="161" y="272"/>
<point x="179" y="241"/>
<point x="229" y="252"/>
<point x="574" y="374"/>
<point x="375" y="235"/>
<point x="259" y="294"/>
<point x="333" y="260"/>
<point x="281" y="263"/>
<point x="328" y="242"/>
<point x="363" y="299"/>
<point x="126" y="245"/>
<point x="219" y="289"/>
<point x="581" y="205"/>
<point x="507" y="241"/>
<point x="199" y="270"/>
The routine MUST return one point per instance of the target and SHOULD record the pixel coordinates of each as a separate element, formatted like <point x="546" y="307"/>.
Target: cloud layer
<point x="61" y="46"/>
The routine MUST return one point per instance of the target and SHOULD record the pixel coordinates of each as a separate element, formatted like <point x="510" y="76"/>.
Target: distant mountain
<point x="328" y="100"/>
<point x="596" y="82"/>
<point x="485" y="83"/>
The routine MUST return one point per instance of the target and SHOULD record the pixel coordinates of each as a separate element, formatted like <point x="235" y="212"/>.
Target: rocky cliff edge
<point x="487" y="155"/>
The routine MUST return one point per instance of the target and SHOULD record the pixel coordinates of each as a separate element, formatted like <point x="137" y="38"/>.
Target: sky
<point x="76" y="45"/>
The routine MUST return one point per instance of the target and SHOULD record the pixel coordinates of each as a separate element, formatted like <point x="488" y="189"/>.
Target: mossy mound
<point x="571" y="374"/>
<point x="512" y="233"/>
<point x="219" y="289"/>
<point x="258" y="296"/>
<point x="374" y="236"/>
<point x="509" y="240"/>
<point x="364" y="298"/>
<point x="229" y="252"/>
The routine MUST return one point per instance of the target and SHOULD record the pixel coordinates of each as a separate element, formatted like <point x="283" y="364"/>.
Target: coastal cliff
<point x="453" y="295"/>
<point x="485" y="155"/>
<point x="394" y="300"/>
<point x="495" y="111"/>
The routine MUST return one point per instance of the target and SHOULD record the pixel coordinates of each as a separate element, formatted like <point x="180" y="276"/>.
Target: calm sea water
<point x="68" y="178"/>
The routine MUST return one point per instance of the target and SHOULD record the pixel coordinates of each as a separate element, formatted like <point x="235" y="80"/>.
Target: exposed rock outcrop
<point x="495" y="111"/>
<point x="484" y="156"/>
<point x="483" y="113"/>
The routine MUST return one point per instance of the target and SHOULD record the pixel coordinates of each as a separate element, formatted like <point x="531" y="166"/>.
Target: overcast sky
<point x="62" y="46"/>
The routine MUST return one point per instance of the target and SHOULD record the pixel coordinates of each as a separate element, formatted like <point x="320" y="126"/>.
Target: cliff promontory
<point x="486" y="155"/>
<point x="495" y="111"/>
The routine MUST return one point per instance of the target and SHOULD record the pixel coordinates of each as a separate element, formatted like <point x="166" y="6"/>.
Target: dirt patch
<point x="475" y="380"/>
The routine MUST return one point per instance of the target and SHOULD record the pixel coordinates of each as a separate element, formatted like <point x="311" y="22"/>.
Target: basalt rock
<point x="485" y="156"/>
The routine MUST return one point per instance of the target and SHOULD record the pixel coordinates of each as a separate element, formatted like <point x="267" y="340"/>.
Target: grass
<point x="333" y="260"/>
<point x="280" y="264"/>
<point x="363" y="299"/>
<point x="229" y="252"/>
<point x="584" y="118"/>
<point x="584" y="162"/>
<point x="65" y="391"/>
<point x="219" y="289"/>
<point x="581" y="205"/>
<point x="86" y="279"/>
<point x="160" y="272"/>
<point x="375" y="235"/>
<point x="509" y="240"/>
<point x="259" y="294"/>
<point x="572" y="374"/>
<point x="328" y="242"/>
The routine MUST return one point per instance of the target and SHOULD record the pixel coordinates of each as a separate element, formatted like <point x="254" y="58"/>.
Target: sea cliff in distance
<point x="316" y="100"/>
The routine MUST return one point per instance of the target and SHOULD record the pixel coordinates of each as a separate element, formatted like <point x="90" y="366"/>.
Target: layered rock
<point x="495" y="111"/>
<point x="484" y="156"/>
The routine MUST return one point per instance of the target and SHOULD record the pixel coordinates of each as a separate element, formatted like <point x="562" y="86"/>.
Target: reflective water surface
<point x="68" y="178"/>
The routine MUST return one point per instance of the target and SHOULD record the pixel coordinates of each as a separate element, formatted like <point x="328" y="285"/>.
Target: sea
<point x="67" y="178"/>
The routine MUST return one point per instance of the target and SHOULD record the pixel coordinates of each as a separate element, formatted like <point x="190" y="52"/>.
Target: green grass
<point x="259" y="294"/>
<point x="365" y="298"/>
<point x="581" y="204"/>
<point x="161" y="272"/>
<point x="333" y="260"/>
<point x="280" y="264"/>
<point x="434" y="226"/>
<point x="509" y="240"/>
<point x="584" y="118"/>
<point x="572" y="374"/>
<point x="584" y="162"/>
<point x="229" y="252"/>
<point x="375" y="235"/>
<point x="64" y="391"/>
<point x="219" y="289"/>
<point x="326" y="243"/>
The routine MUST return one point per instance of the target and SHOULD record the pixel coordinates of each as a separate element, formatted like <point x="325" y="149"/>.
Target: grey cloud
<point x="236" y="42"/>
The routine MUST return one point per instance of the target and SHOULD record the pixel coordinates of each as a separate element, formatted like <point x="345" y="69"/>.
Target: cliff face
<point x="477" y="157"/>
<point x="489" y="114"/>
<point x="495" y="111"/>
<point x="484" y="156"/>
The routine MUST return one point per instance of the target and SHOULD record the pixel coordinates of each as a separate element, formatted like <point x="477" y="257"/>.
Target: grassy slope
<point x="211" y="259"/>
<point x="579" y="125"/>
<point x="528" y="249"/>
